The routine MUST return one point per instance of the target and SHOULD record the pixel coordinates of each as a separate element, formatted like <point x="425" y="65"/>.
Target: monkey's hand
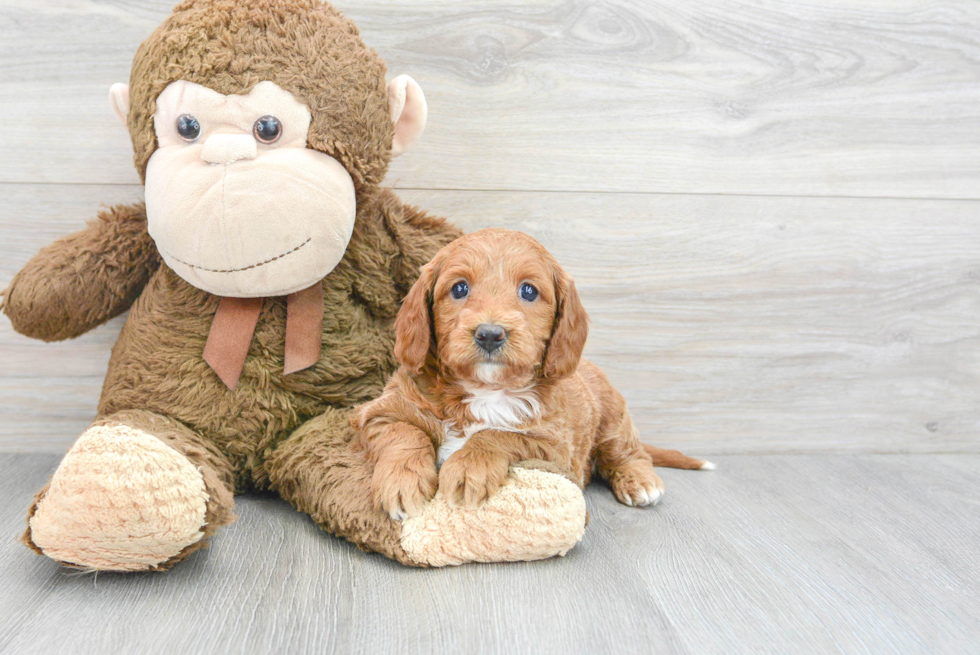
<point x="84" y="279"/>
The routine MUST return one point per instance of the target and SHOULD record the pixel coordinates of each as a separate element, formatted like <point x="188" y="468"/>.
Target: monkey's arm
<point x="418" y="236"/>
<point x="83" y="280"/>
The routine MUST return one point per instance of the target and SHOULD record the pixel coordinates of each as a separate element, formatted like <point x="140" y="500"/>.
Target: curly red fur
<point x="532" y="399"/>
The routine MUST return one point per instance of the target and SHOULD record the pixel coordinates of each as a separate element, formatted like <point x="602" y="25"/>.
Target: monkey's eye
<point x="460" y="290"/>
<point x="188" y="128"/>
<point x="267" y="129"/>
<point x="528" y="292"/>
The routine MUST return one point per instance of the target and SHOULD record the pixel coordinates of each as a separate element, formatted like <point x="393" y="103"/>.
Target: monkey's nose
<point x="228" y="148"/>
<point x="489" y="337"/>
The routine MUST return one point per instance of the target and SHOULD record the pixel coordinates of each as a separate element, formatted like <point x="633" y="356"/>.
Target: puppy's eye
<point x="528" y="292"/>
<point x="460" y="290"/>
<point x="188" y="128"/>
<point x="267" y="129"/>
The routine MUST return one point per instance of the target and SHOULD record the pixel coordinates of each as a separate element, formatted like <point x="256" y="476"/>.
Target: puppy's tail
<point x="675" y="459"/>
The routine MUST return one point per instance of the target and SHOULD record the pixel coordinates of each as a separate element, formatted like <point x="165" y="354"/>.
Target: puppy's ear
<point x="413" y="326"/>
<point x="569" y="333"/>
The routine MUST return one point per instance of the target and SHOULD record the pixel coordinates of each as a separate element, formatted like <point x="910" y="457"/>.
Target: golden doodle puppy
<point x="490" y="343"/>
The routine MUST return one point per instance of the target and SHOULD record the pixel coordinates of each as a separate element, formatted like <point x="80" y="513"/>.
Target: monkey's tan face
<point x="235" y="201"/>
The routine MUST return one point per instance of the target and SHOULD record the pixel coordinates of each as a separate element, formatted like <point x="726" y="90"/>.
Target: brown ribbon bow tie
<point x="234" y="324"/>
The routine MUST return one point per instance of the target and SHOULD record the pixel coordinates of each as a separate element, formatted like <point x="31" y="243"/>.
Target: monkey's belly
<point x="157" y="365"/>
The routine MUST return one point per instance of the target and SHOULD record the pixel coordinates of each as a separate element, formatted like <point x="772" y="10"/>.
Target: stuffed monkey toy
<point x="262" y="275"/>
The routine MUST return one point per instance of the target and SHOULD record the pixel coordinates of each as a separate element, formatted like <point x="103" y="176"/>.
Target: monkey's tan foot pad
<point x="536" y="516"/>
<point x="121" y="500"/>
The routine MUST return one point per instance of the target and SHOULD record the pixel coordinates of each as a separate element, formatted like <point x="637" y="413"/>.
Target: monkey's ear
<point x="406" y="102"/>
<point x="119" y="100"/>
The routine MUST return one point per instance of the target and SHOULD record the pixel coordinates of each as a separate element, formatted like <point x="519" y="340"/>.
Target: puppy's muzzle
<point x="489" y="337"/>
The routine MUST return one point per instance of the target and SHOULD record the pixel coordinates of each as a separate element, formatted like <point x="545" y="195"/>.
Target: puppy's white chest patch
<point x="452" y="441"/>
<point x="496" y="409"/>
<point x="504" y="408"/>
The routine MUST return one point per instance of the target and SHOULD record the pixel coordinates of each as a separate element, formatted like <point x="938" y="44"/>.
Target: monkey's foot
<point x="121" y="500"/>
<point x="536" y="515"/>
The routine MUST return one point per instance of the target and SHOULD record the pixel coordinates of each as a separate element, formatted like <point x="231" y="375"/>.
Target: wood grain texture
<point x="731" y="324"/>
<point x="777" y="554"/>
<point x="877" y="98"/>
<point x="761" y="321"/>
<point x="741" y="324"/>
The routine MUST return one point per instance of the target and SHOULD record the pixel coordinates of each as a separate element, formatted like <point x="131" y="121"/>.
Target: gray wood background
<point x="771" y="208"/>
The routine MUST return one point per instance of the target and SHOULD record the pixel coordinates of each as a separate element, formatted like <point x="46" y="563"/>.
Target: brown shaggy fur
<point x="230" y="46"/>
<point x="572" y="416"/>
<point x="288" y="434"/>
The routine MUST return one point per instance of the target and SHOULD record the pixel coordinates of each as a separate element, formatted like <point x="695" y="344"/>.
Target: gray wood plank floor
<point x="771" y="554"/>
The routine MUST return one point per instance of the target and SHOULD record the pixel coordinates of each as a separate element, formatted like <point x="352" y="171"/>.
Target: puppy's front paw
<point x="636" y="484"/>
<point x="402" y="487"/>
<point x="468" y="478"/>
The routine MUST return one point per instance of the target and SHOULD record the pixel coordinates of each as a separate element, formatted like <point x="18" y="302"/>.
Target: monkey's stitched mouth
<point x="243" y="268"/>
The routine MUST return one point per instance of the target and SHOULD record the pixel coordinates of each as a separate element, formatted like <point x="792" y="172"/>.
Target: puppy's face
<point x="502" y="313"/>
<point x="493" y="308"/>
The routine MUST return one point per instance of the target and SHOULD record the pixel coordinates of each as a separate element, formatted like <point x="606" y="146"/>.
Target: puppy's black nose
<point x="490" y="337"/>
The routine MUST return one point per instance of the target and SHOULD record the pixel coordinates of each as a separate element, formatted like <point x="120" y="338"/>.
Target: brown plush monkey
<point x="263" y="273"/>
